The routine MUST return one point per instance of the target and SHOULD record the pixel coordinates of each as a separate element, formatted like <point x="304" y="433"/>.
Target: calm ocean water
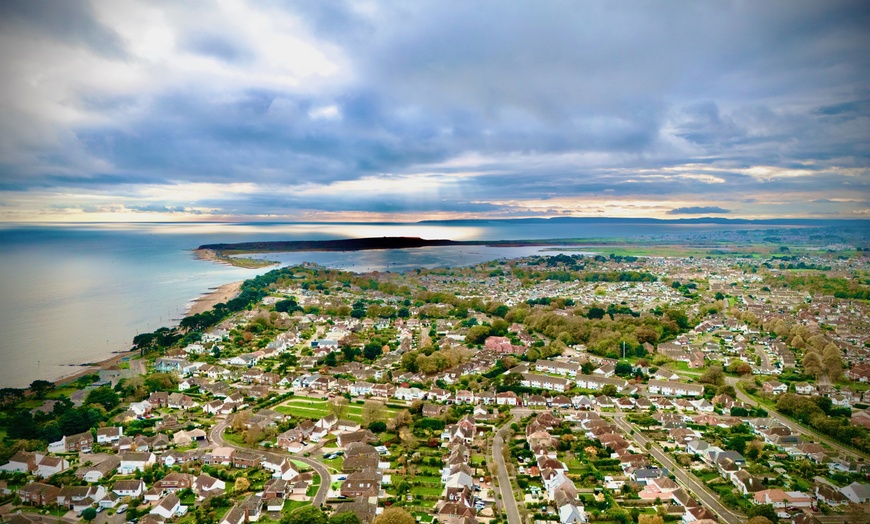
<point x="74" y="294"/>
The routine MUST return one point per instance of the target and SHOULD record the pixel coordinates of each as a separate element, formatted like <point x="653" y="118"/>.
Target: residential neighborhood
<point x="682" y="388"/>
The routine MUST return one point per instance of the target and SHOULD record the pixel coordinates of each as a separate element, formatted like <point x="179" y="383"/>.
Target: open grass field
<point x="315" y="408"/>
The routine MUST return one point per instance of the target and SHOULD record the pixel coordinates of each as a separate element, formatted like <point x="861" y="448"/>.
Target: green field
<point x="315" y="408"/>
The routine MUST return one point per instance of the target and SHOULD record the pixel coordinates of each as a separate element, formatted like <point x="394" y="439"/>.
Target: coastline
<point x="203" y="303"/>
<point x="217" y="295"/>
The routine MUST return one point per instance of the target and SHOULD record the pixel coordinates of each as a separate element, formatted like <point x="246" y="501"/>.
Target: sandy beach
<point x="220" y="294"/>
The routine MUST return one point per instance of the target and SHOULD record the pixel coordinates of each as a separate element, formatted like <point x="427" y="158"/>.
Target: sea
<point x="74" y="294"/>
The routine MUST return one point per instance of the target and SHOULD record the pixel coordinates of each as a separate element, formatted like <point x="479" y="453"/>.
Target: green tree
<point x="305" y="515"/>
<point x="41" y="387"/>
<point x="89" y="514"/>
<point x="346" y="517"/>
<point x="763" y="510"/>
<point x="103" y="396"/>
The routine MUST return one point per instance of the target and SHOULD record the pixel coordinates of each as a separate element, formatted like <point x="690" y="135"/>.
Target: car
<point x="122" y="508"/>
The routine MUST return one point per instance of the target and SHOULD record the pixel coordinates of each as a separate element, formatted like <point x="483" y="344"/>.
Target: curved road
<point x="216" y="435"/>
<point x="794" y="426"/>
<point x="508" y="501"/>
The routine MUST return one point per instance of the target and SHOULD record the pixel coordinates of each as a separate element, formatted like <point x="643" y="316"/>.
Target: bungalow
<point x="857" y="493"/>
<point x="98" y="471"/>
<point x="207" y="485"/>
<point x="780" y="499"/>
<point x="168" y="507"/>
<point x="363" y="435"/>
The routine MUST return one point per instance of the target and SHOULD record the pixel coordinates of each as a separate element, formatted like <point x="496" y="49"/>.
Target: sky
<point x="401" y="111"/>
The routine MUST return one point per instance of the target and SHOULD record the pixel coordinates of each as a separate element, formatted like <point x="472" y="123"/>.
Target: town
<point x="549" y="389"/>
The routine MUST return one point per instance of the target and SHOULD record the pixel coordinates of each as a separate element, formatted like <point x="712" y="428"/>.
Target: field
<point x="315" y="408"/>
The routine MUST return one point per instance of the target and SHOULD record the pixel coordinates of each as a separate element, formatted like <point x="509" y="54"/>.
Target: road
<point x="504" y="481"/>
<point x="794" y="426"/>
<point x="707" y="496"/>
<point x="216" y="435"/>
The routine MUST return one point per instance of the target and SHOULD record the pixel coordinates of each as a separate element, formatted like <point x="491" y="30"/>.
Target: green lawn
<point x="305" y="407"/>
<point x="430" y="491"/>
<point x="315" y="485"/>
<point x="290" y="505"/>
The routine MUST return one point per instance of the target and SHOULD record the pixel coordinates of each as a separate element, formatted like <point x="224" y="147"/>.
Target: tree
<point x="744" y="369"/>
<point x="763" y="510"/>
<point x="41" y="387"/>
<point x="609" y="390"/>
<point x="242" y="485"/>
<point x="394" y="516"/>
<point x="650" y="519"/>
<point x="104" y="396"/>
<point x="407" y="438"/>
<point x="833" y="362"/>
<point x="338" y="406"/>
<point x="812" y="363"/>
<point x="305" y="515"/>
<point x="10" y="396"/>
<point x="373" y="411"/>
<point x="623" y="369"/>
<point x="714" y="376"/>
<point x="727" y="390"/>
<point x="89" y="514"/>
<point x="347" y="517"/>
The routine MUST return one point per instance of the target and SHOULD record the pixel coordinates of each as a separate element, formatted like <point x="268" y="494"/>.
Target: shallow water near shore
<point x="73" y="294"/>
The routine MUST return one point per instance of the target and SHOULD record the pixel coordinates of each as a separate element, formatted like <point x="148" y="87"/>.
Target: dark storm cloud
<point x="71" y="21"/>
<point x="541" y="100"/>
<point x="698" y="210"/>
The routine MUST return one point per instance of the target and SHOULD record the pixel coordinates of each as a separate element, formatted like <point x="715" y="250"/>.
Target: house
<point x="674" y="389"/>
<point x="805" y="388"/>
<point x="96" y="472"/>
<point x="774" y="387"/>
<point x="206" y="485"/>
<point x="82" y="442"/>
<point x="49" y="466"/>
<point x="129" y="488"/>
<point x="38" y="494"/>
<point x="363" y="435"/>
<point x="856" y="492"/>
<point x="175" y="482"/>
<point x="77" y="498"/>
<point x="132" y="461"/>
<point x="109" y="435"/>
<point x="167" y="507"/>
<point x="361" y="484"/>
<point x="507" y="398"/>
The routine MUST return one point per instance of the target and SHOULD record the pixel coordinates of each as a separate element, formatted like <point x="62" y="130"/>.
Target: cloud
<point x="485" y="109"/>
<point x="699" y="210"/>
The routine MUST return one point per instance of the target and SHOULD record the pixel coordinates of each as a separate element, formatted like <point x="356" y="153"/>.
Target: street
<point x="704" y="494"/>
<point x="216" y="435"/>
<point x="504" y="482"/>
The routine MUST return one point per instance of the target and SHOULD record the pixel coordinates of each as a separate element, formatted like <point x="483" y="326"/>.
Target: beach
<point x="220" y="294"/>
